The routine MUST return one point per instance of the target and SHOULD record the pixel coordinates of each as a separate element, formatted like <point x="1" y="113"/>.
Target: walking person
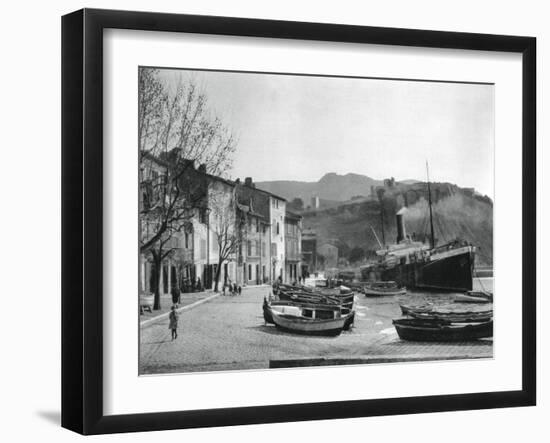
<point x="175" y="295"/>
<point x="173" y="326"/>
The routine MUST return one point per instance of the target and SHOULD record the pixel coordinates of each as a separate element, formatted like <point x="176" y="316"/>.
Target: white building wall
<point x="277" y="211"/>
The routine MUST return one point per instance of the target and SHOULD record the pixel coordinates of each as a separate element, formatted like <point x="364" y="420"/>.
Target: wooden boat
<point x="454" y="317"/>
<point x="433" y="313"/>
<point x="474" y="297"/>
<point x="307" y="319"/>
<point x="380" y="288"/>
<point x="343" y="297"/>
<point x="418" y="330"/>
<point x="406" y="309"/>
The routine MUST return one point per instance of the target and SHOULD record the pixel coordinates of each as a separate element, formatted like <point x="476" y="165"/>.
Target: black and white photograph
<point x="271" y="222"/>
<point x="290" y="220"/>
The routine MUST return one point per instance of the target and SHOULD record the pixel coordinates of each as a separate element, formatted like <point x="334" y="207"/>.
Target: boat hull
<point x="415" y="330"/>
<point x="450" y="272"/>
<point x="474" y="297"/>
<point x="301" y="325"/>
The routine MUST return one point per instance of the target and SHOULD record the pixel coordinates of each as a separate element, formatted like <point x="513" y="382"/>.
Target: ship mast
<point x="432" y="238"/>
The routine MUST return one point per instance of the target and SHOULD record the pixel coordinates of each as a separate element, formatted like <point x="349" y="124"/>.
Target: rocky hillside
<point x="458" y="213"/>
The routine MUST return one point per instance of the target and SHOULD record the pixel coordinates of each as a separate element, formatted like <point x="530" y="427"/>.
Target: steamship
<point x="414" y="264"/>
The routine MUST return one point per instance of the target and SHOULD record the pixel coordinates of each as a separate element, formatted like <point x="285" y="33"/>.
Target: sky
<point x="292" y="127"/>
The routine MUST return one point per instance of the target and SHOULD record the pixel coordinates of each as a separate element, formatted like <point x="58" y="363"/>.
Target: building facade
<point x="244" y="231"/>
<point x="309" y="252"/>
<point x="293" y="247"/>
<point x="253" y="254"/>
<point x="273" y="209"/>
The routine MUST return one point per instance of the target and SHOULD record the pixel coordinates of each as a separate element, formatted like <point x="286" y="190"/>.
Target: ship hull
<point x="452" y="271"/>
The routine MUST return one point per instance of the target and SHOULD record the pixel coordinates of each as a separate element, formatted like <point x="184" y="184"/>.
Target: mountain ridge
<point x="331" y="186"/>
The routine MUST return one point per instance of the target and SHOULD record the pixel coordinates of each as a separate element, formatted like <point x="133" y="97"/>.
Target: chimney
<point x="401" y="233"/>
<point x="202" y="168"/>
<point x="248" y="182"/>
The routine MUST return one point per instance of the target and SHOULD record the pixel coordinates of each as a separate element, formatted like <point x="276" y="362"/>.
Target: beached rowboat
<point x="307" y="319"/>
<point x="417" y="330"/>
<point x="448" y="315"/>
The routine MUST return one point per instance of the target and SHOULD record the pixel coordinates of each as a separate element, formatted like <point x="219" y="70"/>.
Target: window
<point x="186" y="240"/>
<point x="250" y="272"/>
<point x="249" y="248"/>
<point x="277" y="228"/>
<point x="203" y="218"/>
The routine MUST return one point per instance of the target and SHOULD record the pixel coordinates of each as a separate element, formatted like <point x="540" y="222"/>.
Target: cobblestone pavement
<point x="186" y="299"/>
<point x="228" y="333"/>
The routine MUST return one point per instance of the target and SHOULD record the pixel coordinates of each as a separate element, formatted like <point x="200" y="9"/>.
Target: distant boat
<point x="383" y="288"/>
<point x="306" y="319"/>
<point x="417" y="330"/>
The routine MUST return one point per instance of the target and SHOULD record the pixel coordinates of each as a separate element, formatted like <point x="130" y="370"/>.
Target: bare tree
<point x="227" y="228"/>
<point x="177" y="132"/>
<point x="177" y="128"/>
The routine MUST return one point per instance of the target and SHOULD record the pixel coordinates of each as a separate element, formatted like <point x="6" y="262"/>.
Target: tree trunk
<point x="157" y="269"/>
<point x="218" y="272"/>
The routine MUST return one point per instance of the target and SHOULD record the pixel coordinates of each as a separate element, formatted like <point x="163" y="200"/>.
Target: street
<point x="228" y="333"/>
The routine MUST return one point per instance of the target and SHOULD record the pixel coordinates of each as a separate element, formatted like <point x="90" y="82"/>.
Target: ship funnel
<point x="401" y="233"/>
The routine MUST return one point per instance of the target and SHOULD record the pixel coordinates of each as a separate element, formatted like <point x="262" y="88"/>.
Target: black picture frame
<point x="82" y="219"/>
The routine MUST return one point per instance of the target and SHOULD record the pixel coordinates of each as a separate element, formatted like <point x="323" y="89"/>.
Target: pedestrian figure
<point x="240" y="289"/>
<point x="199" y="284"/>
<point x="175" y="295"/>
<point x="173" y="326"/>
<point x="234" y="291"/>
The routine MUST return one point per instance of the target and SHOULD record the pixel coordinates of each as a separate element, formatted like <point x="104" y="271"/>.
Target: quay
<point x="228" y="333"/>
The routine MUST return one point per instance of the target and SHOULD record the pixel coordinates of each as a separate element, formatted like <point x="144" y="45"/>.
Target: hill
<point x="457" y="214"/>
<point x="330" y="188"/>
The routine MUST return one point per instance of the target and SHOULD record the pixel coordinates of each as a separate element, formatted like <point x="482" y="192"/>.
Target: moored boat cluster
<point x="306" y="310"/>
<point x="451" y="322"/>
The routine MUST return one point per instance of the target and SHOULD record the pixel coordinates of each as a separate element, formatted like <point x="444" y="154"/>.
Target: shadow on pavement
<point x="273" y="330"/>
